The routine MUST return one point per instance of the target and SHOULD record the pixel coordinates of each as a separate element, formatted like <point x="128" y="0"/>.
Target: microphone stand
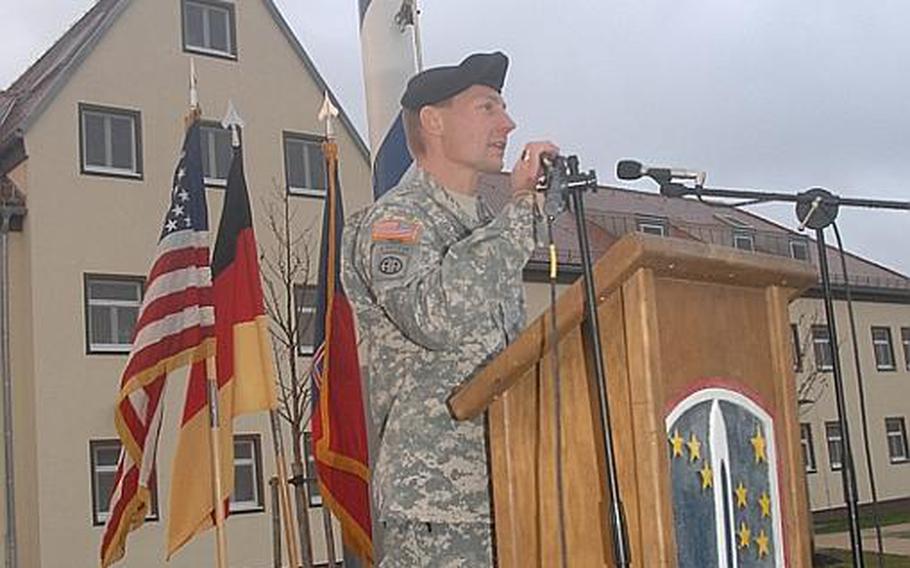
<point x="564" y="182"/>
<point x="816" y="208"/>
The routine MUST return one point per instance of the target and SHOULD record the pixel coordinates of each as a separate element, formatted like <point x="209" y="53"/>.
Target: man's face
<point x="475" y="129"/>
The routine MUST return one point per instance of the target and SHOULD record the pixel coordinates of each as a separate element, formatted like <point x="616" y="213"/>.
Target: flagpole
<point x="215" y="437"/>
<point x="211" y="375"/>
<point x="284" y="496"/>
<point x="418" y="46"/>
<point x="327" y="113"/>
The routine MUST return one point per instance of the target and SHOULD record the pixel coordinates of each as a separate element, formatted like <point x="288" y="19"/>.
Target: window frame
<point x="106" y="348"/>
<point x="287" y="136"/>
<point x="108" y="171"/>
<point x="232" y="54"/>
<point x="808" y="445"/>
<point x="797" y="348"/>
<point x="815" y="348"/>
<point x="744" y="234"/>
<point x="802" y="243"/>
<point x="905" y="342"/>
<point x="838" y="439"/>
<point x="99" y="518"/>
<point x="314" y="497"/>
<point x="207" y="125"/>
<point x="644" y="222"/>
<point x="901" y="434"/>
<point x="299" y="290"/>
<point x="248" y="507"/>
<point x="879" y="366"/>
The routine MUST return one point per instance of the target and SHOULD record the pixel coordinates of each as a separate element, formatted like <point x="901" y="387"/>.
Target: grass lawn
<point x="833" y="558"/>
<point x="865" y="521"/>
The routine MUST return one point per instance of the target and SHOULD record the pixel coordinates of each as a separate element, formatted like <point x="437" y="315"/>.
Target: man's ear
<point x="431" y="120"/>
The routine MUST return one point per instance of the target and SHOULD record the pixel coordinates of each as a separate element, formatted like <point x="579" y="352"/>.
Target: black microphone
<point x="554" y="183"/>
<point x="630" y="169"/>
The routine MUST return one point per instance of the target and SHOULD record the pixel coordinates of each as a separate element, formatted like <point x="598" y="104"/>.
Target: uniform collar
<point x="444" y="198"/>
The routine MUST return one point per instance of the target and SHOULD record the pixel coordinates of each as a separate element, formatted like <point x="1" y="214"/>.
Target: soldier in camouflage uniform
<point x="435" y="278"/>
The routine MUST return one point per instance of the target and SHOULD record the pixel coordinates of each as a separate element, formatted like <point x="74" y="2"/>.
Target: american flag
<point x="175" y="328"/>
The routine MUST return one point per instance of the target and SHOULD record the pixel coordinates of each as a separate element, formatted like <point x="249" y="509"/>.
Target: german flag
<point x="245" y="372"/>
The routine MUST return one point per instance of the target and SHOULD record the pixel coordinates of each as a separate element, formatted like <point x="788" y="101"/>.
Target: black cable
<point x="862" y="399"/>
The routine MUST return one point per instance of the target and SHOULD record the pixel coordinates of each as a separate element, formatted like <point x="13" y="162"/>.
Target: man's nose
<point x="508" y="125"/>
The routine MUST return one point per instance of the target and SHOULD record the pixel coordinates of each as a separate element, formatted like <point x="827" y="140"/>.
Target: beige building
<point x="90" y="135"/>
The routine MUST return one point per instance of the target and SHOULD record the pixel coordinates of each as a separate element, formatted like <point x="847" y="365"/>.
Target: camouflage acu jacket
<point x="437" y="292"/>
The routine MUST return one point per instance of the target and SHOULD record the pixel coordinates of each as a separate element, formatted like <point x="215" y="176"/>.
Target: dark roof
<point x="611" y="212"/>
<point x="29" y="95"/>
<point x="24" y="100"/>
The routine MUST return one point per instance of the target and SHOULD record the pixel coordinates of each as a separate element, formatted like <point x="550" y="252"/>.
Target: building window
<point x="821" y="345"/>
<point x="744" y="240"/>
<point x="217" y="153"/>
<point x="881" y="344"/>
<point x="247" y="496"/>
<point x="905" y="339"/>
<point x="835" y="447"/>
<point x="651" y="226"/>
<point x="805" y="439"/>
<point x="110" y="141"/>
<point x="305" y="301"/>
<point x="103" y="456"/>
<point x="315" y="498"/>
<point x="896" y="432"/>
<point x="208" y="28"/>
<point x="304" y="164"/>
<point x="111" y="309"/>
<point x="797" y="348"/>
<point x="799" y="249"/>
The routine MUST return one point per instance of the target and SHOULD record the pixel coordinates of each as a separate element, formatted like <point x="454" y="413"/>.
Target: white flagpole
<point x="392" y="54"/>
<point x="215" y="437"/>
<point x="212" y="389"/>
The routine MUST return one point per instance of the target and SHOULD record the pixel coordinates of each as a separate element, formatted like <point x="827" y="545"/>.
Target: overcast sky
<point x="779" y="95"/>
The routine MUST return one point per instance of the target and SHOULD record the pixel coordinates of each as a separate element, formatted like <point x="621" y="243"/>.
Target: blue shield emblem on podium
<point x="724" y="478"/>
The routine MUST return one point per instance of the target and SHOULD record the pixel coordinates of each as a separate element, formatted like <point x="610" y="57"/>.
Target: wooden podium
<point x="702" y="398"/>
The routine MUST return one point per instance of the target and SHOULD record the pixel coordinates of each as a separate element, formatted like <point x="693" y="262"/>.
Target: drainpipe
<point x="8" y="213"/>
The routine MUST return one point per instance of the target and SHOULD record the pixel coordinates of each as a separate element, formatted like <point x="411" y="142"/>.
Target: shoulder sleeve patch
<point x="391" y="261"/>
<point x="397" y="230"/>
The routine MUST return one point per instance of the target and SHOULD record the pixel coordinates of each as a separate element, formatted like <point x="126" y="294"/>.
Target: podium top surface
<point x="666" y="257"/>
<point x="697" y="261"/>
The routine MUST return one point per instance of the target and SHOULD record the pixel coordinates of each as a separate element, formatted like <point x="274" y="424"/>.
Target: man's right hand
<point x="527" y="169"/>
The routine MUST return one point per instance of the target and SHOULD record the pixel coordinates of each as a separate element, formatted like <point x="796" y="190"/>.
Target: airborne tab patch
<point x="396" y="230"/>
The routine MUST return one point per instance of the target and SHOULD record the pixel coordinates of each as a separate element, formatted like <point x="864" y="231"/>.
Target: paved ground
<point x="895" y="538"/>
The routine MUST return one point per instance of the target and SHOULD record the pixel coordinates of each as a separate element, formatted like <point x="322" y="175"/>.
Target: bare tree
<point x="286" y="265"/>
<point x="813" y="379"/>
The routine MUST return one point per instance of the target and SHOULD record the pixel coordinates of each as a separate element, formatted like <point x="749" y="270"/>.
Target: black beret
<point x="435" y="85"/>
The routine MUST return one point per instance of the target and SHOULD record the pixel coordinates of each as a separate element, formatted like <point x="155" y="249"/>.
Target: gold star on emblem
<point x="694" y="448"/>
<point x="741" y="495"/>
<point x="761" y="542"/>
<point x="707" y="476"/>
<point x="765" y="503"/>
<point x="677" y="442"/>
<point x="745" y="536"/>
<point x="758" y="444"/>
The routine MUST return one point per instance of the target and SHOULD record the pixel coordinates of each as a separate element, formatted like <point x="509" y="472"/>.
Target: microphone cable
<point x="876" y="519"/>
